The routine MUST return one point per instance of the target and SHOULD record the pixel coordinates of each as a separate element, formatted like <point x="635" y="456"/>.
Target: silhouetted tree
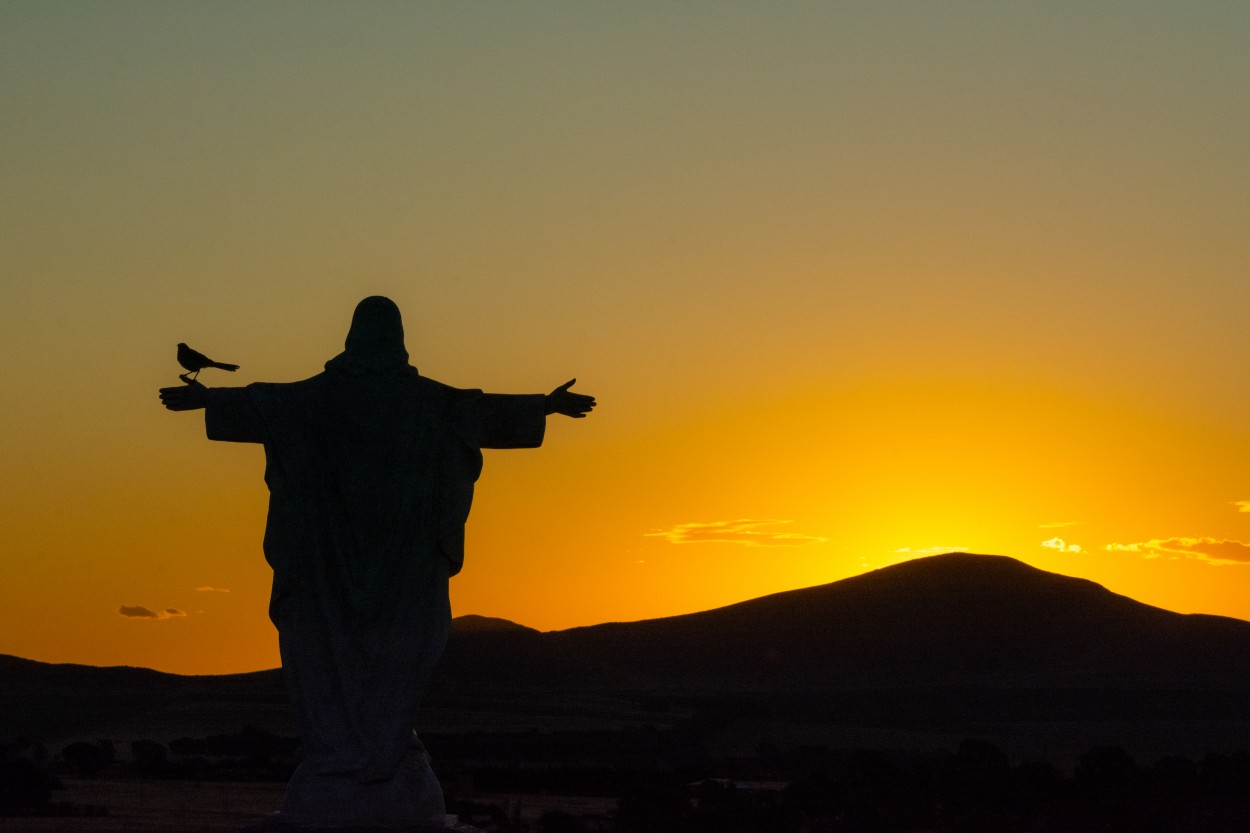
<point x="188" y="746"/>
<point x="973" y="789"/>
<point x="1108" y="787"/>
<point x="882" y="795"/>
<point x="1173" y="789"/>
<point x="85" y="759"/>
<point x="1224" y="789"/>
<point x="109" y="749"/>
<point x="24" y="787"/>
<point x="24" y="747"/>
<point x="1037" y="790"/>
<point x="149" y="756"/>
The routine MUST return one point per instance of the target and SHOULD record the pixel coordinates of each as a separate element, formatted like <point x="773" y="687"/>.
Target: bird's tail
<point x="231" y="367"/>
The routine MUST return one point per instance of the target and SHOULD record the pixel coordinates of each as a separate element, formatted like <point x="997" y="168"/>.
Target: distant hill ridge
<point x="948" y="620"/>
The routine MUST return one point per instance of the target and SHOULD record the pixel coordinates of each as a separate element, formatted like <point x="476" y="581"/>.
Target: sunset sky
<point x="853" y="282"/>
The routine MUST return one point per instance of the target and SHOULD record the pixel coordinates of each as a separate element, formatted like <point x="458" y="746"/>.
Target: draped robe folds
<point x="371" y="479"/>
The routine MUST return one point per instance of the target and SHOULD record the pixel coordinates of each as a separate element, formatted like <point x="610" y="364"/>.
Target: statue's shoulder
<point x="288" y="394"/>
<point x="330" y="385"/>
<point x="312" y="383"/>
<point x="432" y="387"/>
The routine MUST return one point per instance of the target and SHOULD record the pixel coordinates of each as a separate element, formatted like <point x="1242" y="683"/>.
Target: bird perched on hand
<point x="195" y="361"/>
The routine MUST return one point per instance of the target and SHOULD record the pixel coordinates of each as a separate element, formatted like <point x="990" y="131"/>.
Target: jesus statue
<point x="370" y="468"/>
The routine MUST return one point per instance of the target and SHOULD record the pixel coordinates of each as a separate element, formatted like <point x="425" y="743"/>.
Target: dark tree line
<point x="27" y="786"/>
<point x="663" y="781"/>
<point x="975" y="789"/>
<point x="29" y="775"/>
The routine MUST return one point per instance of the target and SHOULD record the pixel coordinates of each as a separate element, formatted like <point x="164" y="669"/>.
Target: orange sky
<point x="852" y="282"/>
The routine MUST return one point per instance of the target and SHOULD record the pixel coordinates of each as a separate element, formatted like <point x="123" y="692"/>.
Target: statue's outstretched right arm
<point x="229" y="413"/>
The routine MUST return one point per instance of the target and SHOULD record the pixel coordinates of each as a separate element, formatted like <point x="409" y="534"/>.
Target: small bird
<point x="195" y="361"/>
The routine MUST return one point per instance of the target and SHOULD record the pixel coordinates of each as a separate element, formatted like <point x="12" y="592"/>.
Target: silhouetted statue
<point x="370" y="468"/>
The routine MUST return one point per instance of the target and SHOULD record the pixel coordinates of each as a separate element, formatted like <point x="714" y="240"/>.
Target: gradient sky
<point x="852" y="281"/>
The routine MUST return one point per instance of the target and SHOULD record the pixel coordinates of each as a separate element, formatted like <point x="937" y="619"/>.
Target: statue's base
<point x="411" y="801"/>
<point x="278" y="823"/>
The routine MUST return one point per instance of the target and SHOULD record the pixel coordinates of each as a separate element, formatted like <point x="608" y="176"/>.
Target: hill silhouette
<point x="948" y="620"/>
<point x="983" y="629"/>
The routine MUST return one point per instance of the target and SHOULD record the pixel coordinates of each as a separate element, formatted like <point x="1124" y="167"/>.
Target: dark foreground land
<point x="699" y="767"/>
<point x="140" y="805"/>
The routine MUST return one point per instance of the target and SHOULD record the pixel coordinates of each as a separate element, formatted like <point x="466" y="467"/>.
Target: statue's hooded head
<point x="375" y="342"/>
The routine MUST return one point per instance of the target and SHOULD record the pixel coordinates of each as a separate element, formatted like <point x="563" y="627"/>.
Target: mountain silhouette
<point x="976" y="630"/>
<point x="474" y="624"/>
<point x="948" y="620"/>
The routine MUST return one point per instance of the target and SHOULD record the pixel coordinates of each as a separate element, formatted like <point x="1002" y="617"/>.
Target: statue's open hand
<point x="563" y="401"/>
<point x="188" y="397"/>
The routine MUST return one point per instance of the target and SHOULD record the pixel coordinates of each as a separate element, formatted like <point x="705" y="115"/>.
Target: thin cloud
<point x="929" y="550"/>
<point x="141" y="612"/>
<point x="1212" y="550"/>
<point x="1058" y="525"/>
<point x="1061" y="545"/>
<point x="1242" y="505"/>
<point x="207" y="589"/>
<point x="745" y="531"/>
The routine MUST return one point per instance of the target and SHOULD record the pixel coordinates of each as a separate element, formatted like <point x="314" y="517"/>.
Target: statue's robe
<point x="370" y="478"/>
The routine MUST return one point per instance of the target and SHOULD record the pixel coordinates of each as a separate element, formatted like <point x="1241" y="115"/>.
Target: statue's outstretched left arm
<point x="564" y="401"/>
<point x="509" y="420"/>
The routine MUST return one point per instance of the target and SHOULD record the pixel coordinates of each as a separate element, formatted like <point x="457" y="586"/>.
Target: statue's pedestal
<point x="409" y="802"/>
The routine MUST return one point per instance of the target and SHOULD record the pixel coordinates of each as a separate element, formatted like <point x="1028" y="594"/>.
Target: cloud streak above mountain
<point x="141" y="612"/>
<point x="1061" y="545"/>
<point x="1213" y="550"/>
<point x="746" y="531"/>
